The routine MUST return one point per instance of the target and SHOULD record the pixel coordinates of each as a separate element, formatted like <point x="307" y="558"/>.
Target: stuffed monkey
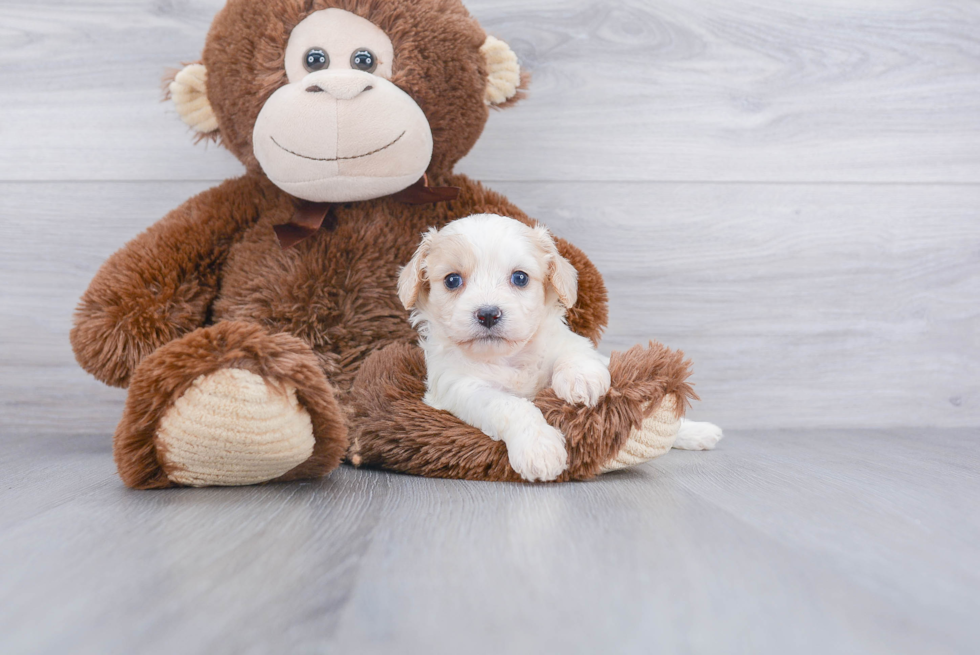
<point x="257" y="326"/>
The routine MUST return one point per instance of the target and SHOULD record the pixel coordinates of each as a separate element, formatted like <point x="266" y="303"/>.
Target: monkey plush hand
<point x="257" y="326"/>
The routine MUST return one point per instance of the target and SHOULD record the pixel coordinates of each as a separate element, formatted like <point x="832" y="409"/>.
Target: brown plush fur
<point x="392" y="428"/>
<point x="164" y="376"/>
<point x="162" y="284"/>
<point x="330" y="302"/>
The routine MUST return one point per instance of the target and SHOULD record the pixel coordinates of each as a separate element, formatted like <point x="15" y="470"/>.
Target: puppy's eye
<point x="363" y="60"/>
<point x="316" y="59"/>
<point x="453" y="281"/>
<point x="520" y="279"/>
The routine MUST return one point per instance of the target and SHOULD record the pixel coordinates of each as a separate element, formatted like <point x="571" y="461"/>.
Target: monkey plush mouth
<point x="366" y="154"/>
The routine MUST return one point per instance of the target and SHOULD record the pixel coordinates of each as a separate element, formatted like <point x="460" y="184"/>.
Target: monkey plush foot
<point x="231" y="428"/>
<point x="228" y="405"/>
<point x="651" y="439"/>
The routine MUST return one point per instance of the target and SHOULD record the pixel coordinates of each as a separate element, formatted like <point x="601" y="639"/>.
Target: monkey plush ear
<point x="189" y="91"/>
<point x="505" y="82"/>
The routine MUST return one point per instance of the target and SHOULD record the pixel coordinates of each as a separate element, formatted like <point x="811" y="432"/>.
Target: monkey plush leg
<point x="392" y="428"/>
<point x="229" y="405"/>
<point x="650" y="439"/>
<point x="231" y="428"/>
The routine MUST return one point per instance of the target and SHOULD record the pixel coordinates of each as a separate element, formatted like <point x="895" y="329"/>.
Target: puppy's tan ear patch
<point x="564" y="278"/>
<point x="189" y="92"/>
<point x="561" y="275"/>
<point x="413" y="275"/>
<point x="505" y="82"/>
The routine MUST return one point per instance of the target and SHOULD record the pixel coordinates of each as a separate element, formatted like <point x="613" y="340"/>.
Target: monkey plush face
<point x="340" y="130"/>
<point x="346" y="100"/>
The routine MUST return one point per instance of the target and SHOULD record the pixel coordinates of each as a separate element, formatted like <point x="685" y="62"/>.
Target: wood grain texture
<point x="801" y="305"/>
<point x="779" y="542"/>
<point x="870" y="90"/>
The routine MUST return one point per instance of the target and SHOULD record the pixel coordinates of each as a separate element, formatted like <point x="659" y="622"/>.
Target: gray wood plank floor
<point x="778" y="542"/>
<point x="788" y="191"/>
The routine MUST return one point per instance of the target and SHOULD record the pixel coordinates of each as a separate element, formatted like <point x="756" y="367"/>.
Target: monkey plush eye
<point x="364" y="60"/>
<point x="520" y="279"/>
<point x="316" y="59"/>
<point x="453" y="281"/>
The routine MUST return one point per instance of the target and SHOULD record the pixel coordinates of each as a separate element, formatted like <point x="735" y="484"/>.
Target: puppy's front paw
<point x="581" y="382"/>
<point x="538" y="454"/>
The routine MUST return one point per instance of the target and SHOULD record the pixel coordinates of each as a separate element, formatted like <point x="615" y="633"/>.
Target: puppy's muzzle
<point x="488" y="316"/>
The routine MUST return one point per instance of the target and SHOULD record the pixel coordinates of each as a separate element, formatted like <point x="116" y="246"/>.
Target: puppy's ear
<point x="413" y="275"/>
<point x="561" y="275"/>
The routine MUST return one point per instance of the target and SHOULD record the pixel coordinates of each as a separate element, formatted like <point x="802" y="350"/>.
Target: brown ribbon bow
<point x="309" y="216"/>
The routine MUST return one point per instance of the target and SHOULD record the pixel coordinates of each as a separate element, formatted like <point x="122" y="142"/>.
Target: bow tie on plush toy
<point x="309" y="216"/>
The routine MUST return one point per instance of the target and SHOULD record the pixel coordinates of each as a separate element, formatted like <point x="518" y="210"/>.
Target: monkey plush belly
<point x="335" y="290"/>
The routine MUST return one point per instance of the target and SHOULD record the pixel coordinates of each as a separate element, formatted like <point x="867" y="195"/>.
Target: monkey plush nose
<point x="341" y="85"/>
<point x="489" y="316"/>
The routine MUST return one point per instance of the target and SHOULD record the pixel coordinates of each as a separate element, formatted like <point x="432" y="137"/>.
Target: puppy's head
<point x="486" y="283"/>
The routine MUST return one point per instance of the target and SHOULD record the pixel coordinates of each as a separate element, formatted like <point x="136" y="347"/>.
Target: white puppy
<point x="489" y="295"/>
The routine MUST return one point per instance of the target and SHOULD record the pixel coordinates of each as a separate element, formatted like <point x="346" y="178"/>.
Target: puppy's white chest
<point x="525" y="380"/>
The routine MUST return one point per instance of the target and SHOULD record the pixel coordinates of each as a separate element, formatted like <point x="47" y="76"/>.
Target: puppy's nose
<point x="489" y="316"/>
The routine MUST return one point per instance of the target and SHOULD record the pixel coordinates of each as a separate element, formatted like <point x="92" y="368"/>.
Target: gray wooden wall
<point x="788" y="191"/>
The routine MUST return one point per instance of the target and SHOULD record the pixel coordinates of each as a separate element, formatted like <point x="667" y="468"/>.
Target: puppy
<point x="488" y="295"/>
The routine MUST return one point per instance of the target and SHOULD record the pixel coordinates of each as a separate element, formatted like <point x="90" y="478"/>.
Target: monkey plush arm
<point x="161" y="284"/>
<point x="391" y="427"/>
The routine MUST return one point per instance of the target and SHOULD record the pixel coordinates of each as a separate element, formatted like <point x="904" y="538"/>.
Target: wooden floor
<point x="778" y="542"/>
<point x="788" y="191"/>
